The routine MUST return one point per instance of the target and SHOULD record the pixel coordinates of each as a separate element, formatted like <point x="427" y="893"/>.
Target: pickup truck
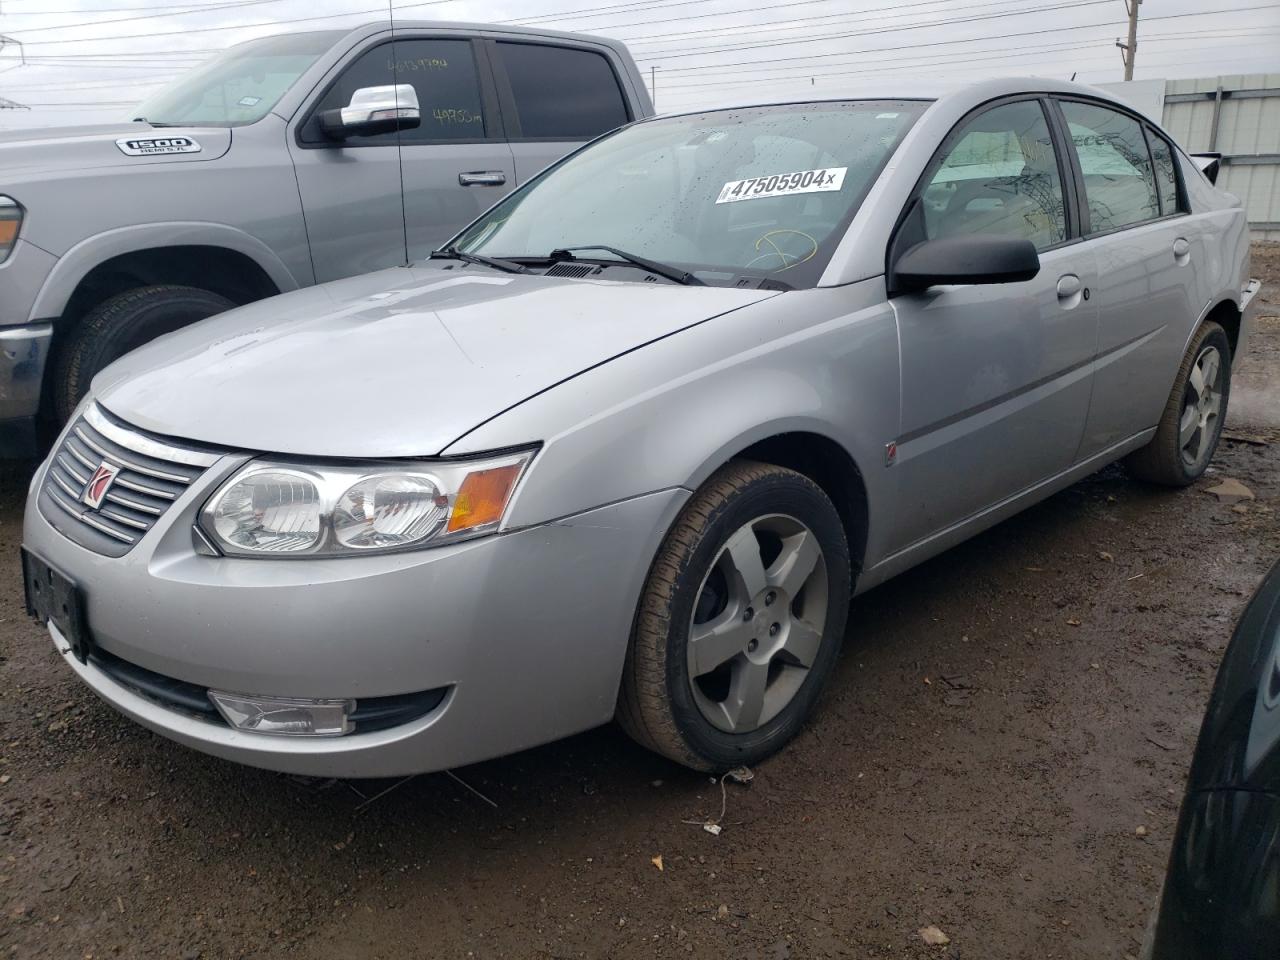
<point x="283" y="162"/>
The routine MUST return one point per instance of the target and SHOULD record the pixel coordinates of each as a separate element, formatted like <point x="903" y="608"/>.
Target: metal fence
<point x="1239" y="117"/>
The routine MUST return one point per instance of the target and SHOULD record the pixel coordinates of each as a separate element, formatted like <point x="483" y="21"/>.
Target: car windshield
<point x="238" y="86"/>
<point x="762" y="192"/>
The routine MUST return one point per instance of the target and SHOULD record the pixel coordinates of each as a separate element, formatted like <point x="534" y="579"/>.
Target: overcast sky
<point x="91" y="60"/>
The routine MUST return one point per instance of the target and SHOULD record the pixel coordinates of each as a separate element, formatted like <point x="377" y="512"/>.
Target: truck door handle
<point x="1068" y="286"/>
<point x="482" y="178"/>
<point x="1180" y="249"/>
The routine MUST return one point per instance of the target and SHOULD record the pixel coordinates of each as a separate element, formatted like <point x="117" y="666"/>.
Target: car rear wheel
<point x="740" y="622"/>
<point x="120" y="324"/>
<point x="1191" y="424"/>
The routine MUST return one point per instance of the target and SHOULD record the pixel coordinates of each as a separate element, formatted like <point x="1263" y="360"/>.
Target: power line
<point x="158" y="12"/>
<point x="673" y="54"/>
<point x="938" y="43"/>
<point x="241" y="26"/>
<point x="985" y="53"/>
<point x="957" y="60"/>
<point x="769" y="25"/>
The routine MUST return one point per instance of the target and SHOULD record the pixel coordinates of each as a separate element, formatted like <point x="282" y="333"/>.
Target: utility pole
<point x="653" y="86"/>
<point x="1129" y="50"/>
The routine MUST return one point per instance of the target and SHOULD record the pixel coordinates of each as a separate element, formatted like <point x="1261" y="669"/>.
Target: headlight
<point x="10" y="224"/>
<point x="287" y="509"/>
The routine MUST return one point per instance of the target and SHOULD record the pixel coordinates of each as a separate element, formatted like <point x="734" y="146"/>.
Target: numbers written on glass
<point x="783" y="184"/>
<point x="450" y="116"/>
<point x="419" y="63"/>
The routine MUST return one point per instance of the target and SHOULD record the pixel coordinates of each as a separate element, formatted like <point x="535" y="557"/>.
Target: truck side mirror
<point x="373" y="110"/>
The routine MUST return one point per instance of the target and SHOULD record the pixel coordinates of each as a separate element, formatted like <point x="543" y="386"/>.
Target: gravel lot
<point x="1003" y="720"/>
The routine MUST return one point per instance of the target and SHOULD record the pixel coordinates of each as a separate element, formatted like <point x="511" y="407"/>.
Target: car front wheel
<point x="741" y="620"/>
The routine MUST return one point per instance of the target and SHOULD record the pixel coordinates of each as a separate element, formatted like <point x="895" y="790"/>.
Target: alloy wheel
<point x="757" y="623"/>
<point x="1202" y="406"/>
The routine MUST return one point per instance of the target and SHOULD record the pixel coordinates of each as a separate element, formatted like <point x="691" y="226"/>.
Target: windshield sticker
<point x="249" y="101"/>
<point x="153" y="145"/>
<point x="783" y="184"/>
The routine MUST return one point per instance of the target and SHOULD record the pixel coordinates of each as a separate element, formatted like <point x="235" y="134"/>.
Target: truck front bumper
<point x="23" y="351"/>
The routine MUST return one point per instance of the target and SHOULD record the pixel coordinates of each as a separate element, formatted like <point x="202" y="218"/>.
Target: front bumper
<point x="23" y="351"/>
<point x="527" y="631"/>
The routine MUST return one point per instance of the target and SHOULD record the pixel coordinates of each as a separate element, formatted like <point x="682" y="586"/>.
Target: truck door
<point x="378" y="201"/>
<point x="456" y="163"/>
<point x="554" y="98"/>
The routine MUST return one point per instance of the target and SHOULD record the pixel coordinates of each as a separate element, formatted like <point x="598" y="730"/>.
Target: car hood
<point x="93" y="146"/>
<point x="398" y="363"/>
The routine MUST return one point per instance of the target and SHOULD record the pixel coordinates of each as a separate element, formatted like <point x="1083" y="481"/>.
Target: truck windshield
<point x="761" y="192"/>
<point x="238" y="86"/>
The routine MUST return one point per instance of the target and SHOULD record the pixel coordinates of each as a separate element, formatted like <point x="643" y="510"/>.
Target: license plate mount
<point x="53" y="596"/>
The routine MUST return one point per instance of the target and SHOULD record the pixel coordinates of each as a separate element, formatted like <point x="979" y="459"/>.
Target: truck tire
<point x="118" y="325"/>
<point x="757" y="568"/>
<point x="1191" y="423"/>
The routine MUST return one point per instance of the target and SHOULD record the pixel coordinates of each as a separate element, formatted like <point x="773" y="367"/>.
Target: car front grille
<point x="151" y="474"/>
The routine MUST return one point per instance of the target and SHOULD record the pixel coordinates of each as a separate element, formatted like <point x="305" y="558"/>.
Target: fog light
<point x="284" y="715"/>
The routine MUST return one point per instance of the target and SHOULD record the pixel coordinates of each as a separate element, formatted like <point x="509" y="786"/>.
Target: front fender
<point x="822" y="361"/>
<point x="75" y="264"/>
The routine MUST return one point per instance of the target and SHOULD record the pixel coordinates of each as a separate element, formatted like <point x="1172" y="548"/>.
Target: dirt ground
<point x="1003" y="720"/>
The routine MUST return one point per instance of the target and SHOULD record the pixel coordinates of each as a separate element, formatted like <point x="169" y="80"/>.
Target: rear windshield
<point x="762" y="192"/>
<point x="238" y="86"/>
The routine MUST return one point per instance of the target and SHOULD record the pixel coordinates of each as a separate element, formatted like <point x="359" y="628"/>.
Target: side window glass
<point x="999" y="176"/>
<point x="1166" y="176"/>
<point x="1119" y="183"/>
<point x="562" y="93"/>
<point x="442" y="72"/>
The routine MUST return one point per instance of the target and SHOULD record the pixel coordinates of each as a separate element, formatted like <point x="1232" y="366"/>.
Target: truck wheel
<point x="1192" y="420"/>
<point x="740" y="621"/>
<point x="118" y="325"/>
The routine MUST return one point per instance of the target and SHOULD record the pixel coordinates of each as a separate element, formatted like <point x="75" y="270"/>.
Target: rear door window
<point x="1166" y="175"/>
<point x="1119" y="182"/>
<point x="561" y="93"/>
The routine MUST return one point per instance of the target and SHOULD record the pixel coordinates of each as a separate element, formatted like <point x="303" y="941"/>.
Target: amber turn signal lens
<point x="483" y="497"/>
<point x="8" y="232"/>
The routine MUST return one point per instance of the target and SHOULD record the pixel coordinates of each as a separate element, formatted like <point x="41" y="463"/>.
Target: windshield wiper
<point x="674" y="274"/>
<point x="453" y="253"/>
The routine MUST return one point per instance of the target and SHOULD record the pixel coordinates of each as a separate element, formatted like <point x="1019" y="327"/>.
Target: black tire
<point x="657" y="704"/>
<point x="1161" y="460"/>
<point x="118" y="325"/>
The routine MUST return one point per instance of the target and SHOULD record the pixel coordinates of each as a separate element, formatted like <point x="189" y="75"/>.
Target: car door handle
<point x="1068" y="286"/>
<point x="482" y="178"/>
<point x="1181" y="248"/>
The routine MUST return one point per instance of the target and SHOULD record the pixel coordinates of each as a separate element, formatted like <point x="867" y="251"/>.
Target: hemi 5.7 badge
<point x="152" y="145"/>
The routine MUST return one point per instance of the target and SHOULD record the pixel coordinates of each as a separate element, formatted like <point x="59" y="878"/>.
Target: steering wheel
<point x="789" y="247"/>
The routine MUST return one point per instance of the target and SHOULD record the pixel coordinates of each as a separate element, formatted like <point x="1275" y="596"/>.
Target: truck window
<point x="562" y="93"/>
<point x="444" y="74"/>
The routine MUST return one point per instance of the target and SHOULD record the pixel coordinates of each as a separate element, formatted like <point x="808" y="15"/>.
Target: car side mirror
<point x="373" y="110"/>
<point x="1209" y="164"/>
<point x="969" y="259"/>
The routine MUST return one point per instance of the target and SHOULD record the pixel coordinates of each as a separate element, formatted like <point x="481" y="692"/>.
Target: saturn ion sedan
<point x="627" y="445"/>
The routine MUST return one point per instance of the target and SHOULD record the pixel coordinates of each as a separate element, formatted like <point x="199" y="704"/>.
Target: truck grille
<point x="150" y="475"/>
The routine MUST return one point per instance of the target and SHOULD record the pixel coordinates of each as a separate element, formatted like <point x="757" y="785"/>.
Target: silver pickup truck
<point x="285" y="161"/>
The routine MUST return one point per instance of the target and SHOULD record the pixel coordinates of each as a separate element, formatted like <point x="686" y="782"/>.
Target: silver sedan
<point x="627" y="446"/>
